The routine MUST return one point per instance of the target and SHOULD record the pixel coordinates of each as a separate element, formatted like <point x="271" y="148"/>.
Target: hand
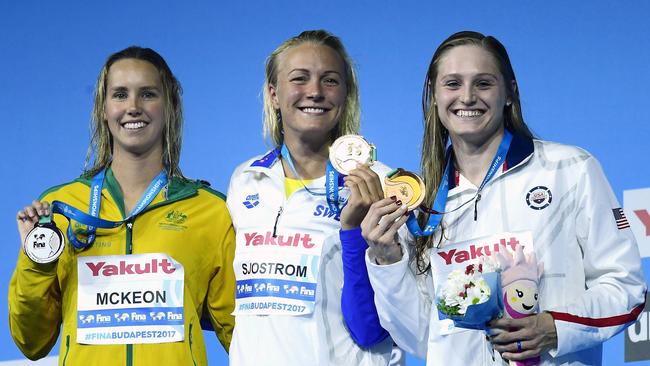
<point x="379" y="228"/>
<point x="29" y="215"/>
<point x="536" y="333"/>
<point x="365" y="189"/>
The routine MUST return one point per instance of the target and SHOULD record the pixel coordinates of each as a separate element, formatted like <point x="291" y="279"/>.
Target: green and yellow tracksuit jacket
<point x="186" y="221"/>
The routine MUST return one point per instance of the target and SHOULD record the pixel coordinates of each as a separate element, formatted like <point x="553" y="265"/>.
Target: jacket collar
<point x="521" y="148"/>
<point x="267" y="160"/>
<point x="177" y="188"/>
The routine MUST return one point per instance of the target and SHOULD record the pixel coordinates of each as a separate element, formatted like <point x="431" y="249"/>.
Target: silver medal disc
<point x="348" y="151"/>
<point x="44" y="244"/>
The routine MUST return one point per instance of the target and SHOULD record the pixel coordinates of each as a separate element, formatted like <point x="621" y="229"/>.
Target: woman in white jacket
<point x="290" y="237"/>
<point x="495" y="178"/>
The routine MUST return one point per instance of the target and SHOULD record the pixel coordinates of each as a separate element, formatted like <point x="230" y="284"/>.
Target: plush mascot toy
<point x="520" y="274"/>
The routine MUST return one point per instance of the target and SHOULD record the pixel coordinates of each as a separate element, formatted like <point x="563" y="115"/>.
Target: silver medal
<point x="348" y="151"/>
<point x="44" y="243"/>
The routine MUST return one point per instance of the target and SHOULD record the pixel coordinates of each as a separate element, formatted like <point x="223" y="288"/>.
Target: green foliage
<point x="448" y="310"/>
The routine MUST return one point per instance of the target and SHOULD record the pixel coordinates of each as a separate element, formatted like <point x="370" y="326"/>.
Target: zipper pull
<point x="275" y="226"/>
<point x="478" y="198"/>
<point x="129" y="227"/>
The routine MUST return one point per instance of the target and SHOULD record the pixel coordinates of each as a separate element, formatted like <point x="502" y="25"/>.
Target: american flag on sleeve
<point x="621" y="220"/>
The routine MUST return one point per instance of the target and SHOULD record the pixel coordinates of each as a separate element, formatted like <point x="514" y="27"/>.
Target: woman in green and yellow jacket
<point x="132" y="293"/>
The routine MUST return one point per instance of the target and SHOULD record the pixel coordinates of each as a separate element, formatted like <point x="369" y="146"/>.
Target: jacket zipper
<point x="478" y="198"/>
<point x="67" y="348"/>
<point x="129" y="250"/>
<point x="191" y="352"/>
<point x="277" y="219"/>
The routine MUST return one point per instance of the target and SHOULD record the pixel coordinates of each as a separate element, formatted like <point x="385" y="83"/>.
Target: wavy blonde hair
<point x="435" y="136"/>
<point x="349" y="122"/>
<point x="100" y="151"/>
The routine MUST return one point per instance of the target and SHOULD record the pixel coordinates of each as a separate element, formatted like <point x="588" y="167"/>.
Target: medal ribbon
<point x="331" y="182"/>
<point x="92" y="220"/>
<point x="440" y="201"/>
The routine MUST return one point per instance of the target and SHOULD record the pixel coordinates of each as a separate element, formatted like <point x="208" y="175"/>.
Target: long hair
<point x="435" y="136"/>
<point x="349" y="122"/>
<point x="100" y="151"/>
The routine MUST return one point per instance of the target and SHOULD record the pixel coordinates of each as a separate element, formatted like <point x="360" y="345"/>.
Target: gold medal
<point x="349" y="150"/>
<point x="406" y="187"/>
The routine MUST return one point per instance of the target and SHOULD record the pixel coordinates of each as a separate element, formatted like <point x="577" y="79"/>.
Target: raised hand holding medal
<point x="41" y="244"/>
<point x="42" y="241"/>
<point x="352" y="156"/>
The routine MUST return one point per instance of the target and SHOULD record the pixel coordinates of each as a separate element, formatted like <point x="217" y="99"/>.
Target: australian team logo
<point x="539" y="198"/>
<point x="175" y="217"/>
<point x="174" y="220"/>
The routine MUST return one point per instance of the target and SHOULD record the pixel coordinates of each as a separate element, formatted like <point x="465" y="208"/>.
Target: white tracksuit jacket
<point x="255" y="196"/>
<point x="592" y="282"/>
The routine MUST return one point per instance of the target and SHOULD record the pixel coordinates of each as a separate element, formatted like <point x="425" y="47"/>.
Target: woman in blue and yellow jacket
<point x="132" y="294"/>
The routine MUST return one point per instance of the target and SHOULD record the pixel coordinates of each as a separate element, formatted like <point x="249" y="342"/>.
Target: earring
<point x="508" y="103"/>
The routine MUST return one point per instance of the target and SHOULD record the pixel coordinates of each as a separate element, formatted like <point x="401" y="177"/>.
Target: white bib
<point x="129" y="299"/>
<point x="277" y="275"/>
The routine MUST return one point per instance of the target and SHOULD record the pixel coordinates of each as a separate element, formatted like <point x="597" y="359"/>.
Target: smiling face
<point x="134" y="107"/>
<point x="521" y="296"/>
<point x="310" y="91"/>
<point x="470" y="94"/>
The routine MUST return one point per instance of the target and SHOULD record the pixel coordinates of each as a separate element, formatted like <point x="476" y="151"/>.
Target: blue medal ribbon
<point x="331" y="182"/>
<point x="92" y="220"/>
<point x="435" y="215"/>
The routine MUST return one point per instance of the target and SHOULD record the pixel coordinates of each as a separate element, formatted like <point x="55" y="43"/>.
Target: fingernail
<point x="393" y="198"/>
<point x="398" y="202"/>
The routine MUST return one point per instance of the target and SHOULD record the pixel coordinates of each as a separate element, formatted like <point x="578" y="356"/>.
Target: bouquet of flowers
<point x="471" y="298"/>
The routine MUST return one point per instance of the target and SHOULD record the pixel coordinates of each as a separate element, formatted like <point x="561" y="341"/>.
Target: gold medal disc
<point x="348" y="151"/>
<point x="406" y="187"/>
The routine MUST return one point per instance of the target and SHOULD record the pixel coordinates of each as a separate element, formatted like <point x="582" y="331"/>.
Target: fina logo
<point x="252" y="200"/>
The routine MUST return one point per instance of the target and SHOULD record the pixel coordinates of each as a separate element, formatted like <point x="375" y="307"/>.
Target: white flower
<point x="467" y="287"/>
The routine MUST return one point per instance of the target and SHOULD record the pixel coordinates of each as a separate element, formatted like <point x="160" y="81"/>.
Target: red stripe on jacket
<point x="599" y="322"/>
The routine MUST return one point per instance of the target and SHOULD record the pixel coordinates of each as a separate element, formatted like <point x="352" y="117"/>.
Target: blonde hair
<point x="100" y="151"/>
<point x="435" y="136"/>
<point x="349" y="123"/>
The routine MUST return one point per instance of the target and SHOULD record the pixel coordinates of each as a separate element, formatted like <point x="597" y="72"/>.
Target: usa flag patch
<point x="621" y="220"/>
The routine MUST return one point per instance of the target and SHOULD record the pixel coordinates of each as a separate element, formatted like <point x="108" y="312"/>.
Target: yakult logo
<point x="125" y="268"/>
<point x="644" y="217"/>
<point x="476" y="251"/>
<point x="294" y="240"/>
<point x="637" y="211"/>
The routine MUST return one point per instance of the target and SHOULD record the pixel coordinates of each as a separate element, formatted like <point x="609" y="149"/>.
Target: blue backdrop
<point x="583" y="72"/>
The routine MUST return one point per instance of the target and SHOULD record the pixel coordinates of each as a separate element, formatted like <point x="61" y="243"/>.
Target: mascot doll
<point x="520" y="274"/>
